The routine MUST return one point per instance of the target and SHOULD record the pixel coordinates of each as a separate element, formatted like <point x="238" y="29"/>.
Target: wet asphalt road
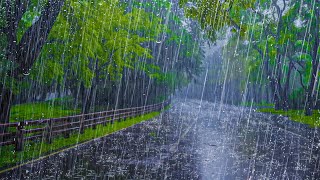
<point x="193" y="140"/>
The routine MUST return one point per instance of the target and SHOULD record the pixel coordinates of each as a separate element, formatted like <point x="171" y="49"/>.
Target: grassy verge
<point x="40" y="110"/>
<point x="32" y="150"/>
<point x="297" y="115"/>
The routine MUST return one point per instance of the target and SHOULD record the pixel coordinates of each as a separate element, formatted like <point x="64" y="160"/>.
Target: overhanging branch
<point x="35" y="37"/>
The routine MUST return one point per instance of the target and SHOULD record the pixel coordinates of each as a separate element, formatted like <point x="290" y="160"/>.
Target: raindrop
<point x="26" y="73"/>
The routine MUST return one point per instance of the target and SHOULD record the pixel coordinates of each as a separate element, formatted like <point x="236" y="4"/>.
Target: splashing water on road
<point x="250" y="146"/>
<point x="79" y="79"/>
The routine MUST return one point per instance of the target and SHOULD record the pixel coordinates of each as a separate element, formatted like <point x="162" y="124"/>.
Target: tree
<point x="100" y="46"/>
<point x="21" y="53"/>
<point x="281" y="42"/>
<point x="314" y="16"/>
<point x="213" y="15"/>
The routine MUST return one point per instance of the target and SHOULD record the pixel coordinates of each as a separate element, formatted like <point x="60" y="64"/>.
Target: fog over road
<point x="193" y="140"/>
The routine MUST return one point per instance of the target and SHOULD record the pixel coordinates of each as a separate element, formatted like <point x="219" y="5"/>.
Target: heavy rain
<point x="160" y="89"/>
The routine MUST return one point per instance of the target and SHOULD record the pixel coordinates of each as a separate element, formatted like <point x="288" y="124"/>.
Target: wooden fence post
<point x="128" y="114"/>
<point x="113" y="117"/>
<point x="105" y="118"/>
<point x="120" y="114"/>
<point x="49" y="132"/>
<point x="19" y="140"/>
<point x="134" y="112"/>
<point x="67" y="127"/>
<point x="94" y="126"/>
<point x="81" y="128"/>
<point x="124" y="115"/>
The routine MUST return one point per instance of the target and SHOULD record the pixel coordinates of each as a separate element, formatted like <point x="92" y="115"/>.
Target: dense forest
<point x="270" y="52"/>
<point x="159" y="89"/>
<point x="113" y="54"/>
<point x="91" y="55"/>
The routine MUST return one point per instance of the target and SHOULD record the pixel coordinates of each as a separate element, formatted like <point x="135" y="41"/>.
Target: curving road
<point x="193" y="140"/>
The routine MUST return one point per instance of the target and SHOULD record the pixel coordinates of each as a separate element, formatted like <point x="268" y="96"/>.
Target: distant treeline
<point x="272" y="54"/>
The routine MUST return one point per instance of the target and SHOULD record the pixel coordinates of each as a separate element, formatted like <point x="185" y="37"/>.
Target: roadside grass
<point x="297" y="115"/>
<point x="33" y="150"/>
<point x="41" y="110"/>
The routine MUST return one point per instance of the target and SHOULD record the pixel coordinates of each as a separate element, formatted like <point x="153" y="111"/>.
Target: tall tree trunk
<point x="310" y="100"/>
<point x="277" y="76"/>
<point x="285" y="102"/>
<point x="86" y="93"/>
<point x="88" y="100"/>
<point x="35" y="38"/>
<point x="275" y="95"/>
<point x="43" y="95"/>
<point x="5" y="106"/>
<point x="26" y="52"/>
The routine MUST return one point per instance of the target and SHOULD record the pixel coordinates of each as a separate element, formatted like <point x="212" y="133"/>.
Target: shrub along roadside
<point x="297" y="115"/>
<point x="33" y="150"/>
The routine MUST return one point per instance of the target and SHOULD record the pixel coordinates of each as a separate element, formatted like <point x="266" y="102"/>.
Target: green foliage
<point x="276" y="46"/>
<point x="42" y="110"/>
<point x="213" y="15"/>
<point x="4" y="64"/>
<point x="298" y="116"/>
<point x="35" y="7"/>
<point x="154" y="4"/>
<point x="99" y="44"/>
<point x="174" y="80"/>
<point x="95" y="40"/>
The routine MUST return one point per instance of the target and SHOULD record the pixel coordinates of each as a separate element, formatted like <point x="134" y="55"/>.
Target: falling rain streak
<point x="159" y="89"/>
